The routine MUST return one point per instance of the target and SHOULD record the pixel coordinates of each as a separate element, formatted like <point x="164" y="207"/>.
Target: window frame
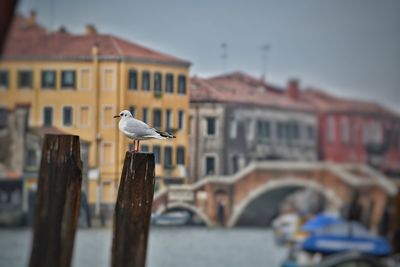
<point x="42" y="79"/>
<point x="144" y="75"/>
<point x="157" y="83"/>
<point x="207" y="126"/>
<point x="157" y="160"/>
<point x="130" y="72"/>
<point x="44" y="115"/>
<point x="170" y="159"/>
<point x="19" y="76"/>
<point x="89" y="116"/>
<point x="182" y="81"/>
<point x="178" y="161"/>
<point x="72" y="116"/>
<point x="169" y="83"/>
<point x="154" y="118"/>
<point x="65" y="86"/>
<point x="6" y="74"/>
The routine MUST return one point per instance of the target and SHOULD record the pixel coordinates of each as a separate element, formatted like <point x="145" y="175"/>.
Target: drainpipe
<point x="197" y="136"/>
<point x="96" y="85"/>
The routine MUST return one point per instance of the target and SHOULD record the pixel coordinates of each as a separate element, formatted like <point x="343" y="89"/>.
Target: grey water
<point x="168" y="247"/>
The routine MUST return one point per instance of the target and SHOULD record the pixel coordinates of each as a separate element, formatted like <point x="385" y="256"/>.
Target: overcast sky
<point x="349" y="47"/>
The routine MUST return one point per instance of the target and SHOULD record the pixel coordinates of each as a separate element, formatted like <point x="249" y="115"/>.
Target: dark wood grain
<point x="57" y="202"/>
<point x="133" y="211"/>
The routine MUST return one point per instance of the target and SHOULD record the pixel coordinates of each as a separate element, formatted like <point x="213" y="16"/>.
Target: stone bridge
<point x="222" y="200"/>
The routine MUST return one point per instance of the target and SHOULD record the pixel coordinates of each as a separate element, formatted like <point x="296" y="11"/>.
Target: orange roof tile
<point x="32" y="42"/>
<point x="325" y="102"/>
<point x="242" y="88"/>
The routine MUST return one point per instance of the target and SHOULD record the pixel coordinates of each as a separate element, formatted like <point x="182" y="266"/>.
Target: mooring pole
<point x="133" y="211"/>
<point x="57" y="202"/>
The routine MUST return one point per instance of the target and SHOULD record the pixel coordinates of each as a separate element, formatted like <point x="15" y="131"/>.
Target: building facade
<point x="78" y="82"/>
<point x="356" y="131"/>
<point x="237" y="119"/>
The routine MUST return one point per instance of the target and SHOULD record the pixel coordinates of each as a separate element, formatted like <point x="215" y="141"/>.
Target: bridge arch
<point x="271" y="185"/>
<point x="189" y="207"/>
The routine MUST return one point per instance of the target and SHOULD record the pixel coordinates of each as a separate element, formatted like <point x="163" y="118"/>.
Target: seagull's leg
<point x="138" y="147"/>
<point x="134" y="143"/>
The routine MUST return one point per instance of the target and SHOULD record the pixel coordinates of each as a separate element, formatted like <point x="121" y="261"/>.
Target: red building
<point x="356" y="131"/>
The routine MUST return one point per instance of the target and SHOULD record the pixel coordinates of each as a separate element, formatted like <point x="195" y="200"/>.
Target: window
<point x="167" y="157"/>
<point x="31" y="159"/>
<point x="3" y="79"/>
<point x="145" y="115"/>
<point x="169" y="83"/>
<point x="47" y="116"/>
<point x="85" y="79"/>
<point x="281" y="131"/>
<point x="263" y="129"/>
<point x="144" y="148"/>
<point x="235" y="163"/>
<point x="146" y="81"/>
<point x="180" y="155"/>
<point x="294" y="130"/>
<point x="108" y="113"/>
<point x="168" y="119"/>
<point x="132" y="110"/>
<point x="3" y="117"/>
<point x="48" y="79"/>
<point x="310" y="132"/>
<point x="108" y="79"/>
<point x="67" y="116"/>
<point x="132" y="80"/>
<point x="233" y="132"/>
<point x="345" y="127"/>
<point x="331" y="129"/>
<point x="181" y="115"/>
<point x="25" y="79"/>
<point x="182" y="84"/>
<point x="157" y="154"/>
<point x="108" y="153"/>
<point x="210" y="165"/>
<point x="157" y="119"/>
<point x="68" y="79"/>
<point x="157" y="83"/>
<point x="211" y="129"/>
<point x="84" y="116"/>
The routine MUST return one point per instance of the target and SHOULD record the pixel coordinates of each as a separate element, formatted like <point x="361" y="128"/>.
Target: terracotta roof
<point x="33" y="42"/>
<point x="238" y="87"/>
<point x="325" y="102"/>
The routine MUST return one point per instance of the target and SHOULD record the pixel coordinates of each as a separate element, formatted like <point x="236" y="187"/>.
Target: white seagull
<point x="138" y="130"/>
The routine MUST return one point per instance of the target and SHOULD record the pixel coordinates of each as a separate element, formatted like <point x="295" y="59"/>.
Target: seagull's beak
<point x="116" y="116"/>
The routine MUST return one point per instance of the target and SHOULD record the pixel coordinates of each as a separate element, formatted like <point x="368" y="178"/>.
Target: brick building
<point x="356" y="131"/>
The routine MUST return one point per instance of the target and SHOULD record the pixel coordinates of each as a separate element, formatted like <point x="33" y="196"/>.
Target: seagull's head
<point x="124" y="114"/>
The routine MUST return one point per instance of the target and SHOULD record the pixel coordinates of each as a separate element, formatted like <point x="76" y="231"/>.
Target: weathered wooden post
<point x="57" y="202"/>
<point x="133" y="211"/>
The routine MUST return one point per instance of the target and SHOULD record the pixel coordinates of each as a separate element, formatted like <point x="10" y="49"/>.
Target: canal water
<point x="168" y="247"/>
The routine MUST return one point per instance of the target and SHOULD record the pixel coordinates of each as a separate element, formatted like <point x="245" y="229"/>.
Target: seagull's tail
<point x="166" y="135"/>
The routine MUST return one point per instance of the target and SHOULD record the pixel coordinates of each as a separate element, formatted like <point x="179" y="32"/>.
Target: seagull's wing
<point x="139" y="128"/>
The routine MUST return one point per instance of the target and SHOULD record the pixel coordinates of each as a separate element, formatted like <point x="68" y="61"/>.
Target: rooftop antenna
<point x="51" y="15"/>
<point x="224" y="55"/>
<point x="264" y="57"/>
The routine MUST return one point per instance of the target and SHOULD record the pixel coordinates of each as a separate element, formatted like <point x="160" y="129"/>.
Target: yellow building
<point x="76" y="83"/>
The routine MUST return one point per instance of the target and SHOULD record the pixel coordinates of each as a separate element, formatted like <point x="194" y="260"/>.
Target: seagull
<point x="138" y="130"/>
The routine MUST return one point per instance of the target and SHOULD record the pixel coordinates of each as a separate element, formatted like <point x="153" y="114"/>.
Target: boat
<point x="175" y="218"/>
<point x="346" y="237"/>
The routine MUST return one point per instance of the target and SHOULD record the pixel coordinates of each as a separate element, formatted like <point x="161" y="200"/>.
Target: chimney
<point x="293" y="89"/>
<point x="90" y="29"/>
<point x="32" y="18"/>
<point x="62" y="29"/>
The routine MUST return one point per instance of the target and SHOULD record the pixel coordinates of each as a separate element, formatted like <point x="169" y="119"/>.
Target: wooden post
<point x="133" y="211"/>
<point x="57" y="202"/>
